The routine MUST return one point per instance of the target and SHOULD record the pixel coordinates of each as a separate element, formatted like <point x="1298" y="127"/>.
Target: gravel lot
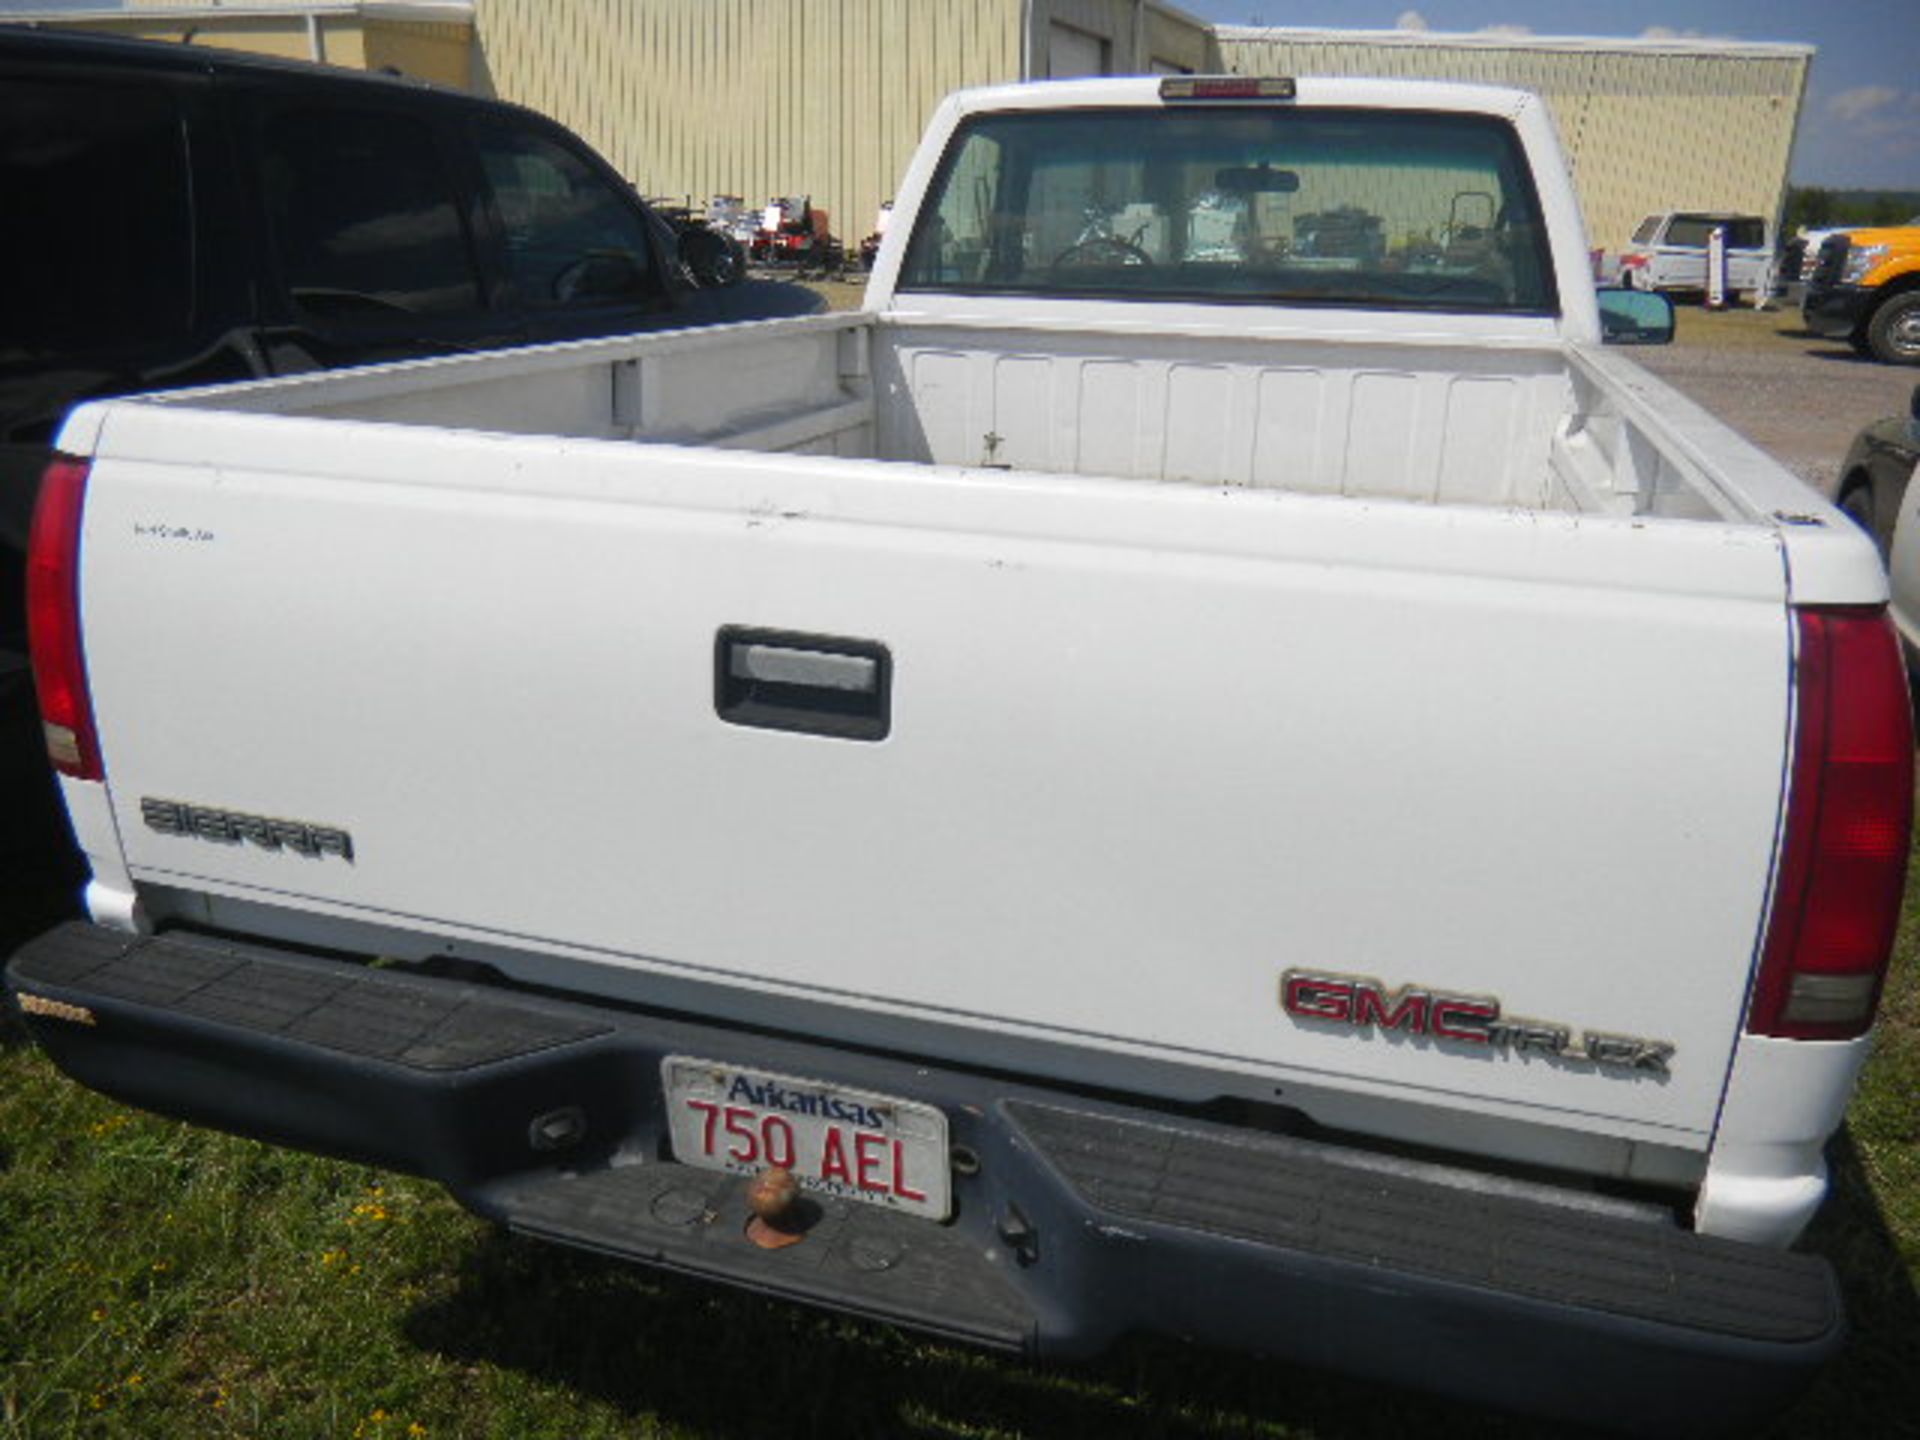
<point x="1797" y="397"/>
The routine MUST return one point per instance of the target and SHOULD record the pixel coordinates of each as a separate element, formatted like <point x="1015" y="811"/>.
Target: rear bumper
<point x="1835" y="310"/>
<point x="1076" y="1220"/>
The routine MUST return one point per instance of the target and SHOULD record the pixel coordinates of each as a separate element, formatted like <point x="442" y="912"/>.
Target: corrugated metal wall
<point x="442" y="54"/>
<point x="1138" y="35"/>
<point x="750" y="97"/>
<point x="1646" y="128"/>
<point x="1176" y="41"/>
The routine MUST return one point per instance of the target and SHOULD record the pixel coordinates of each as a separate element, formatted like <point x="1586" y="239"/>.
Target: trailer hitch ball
<point x="780" y="1217"/>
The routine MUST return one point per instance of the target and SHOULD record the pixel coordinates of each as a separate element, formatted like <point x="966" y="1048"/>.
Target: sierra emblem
<point x="230" y="827"/>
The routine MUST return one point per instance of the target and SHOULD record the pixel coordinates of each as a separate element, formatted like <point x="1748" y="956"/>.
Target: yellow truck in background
<point x="1866" y="289"/>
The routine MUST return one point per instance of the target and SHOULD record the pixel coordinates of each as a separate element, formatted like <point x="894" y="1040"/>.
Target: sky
<point x="1859" y="124"/>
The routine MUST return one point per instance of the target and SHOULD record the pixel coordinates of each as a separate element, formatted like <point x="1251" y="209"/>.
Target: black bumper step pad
<point x="855" y="1258"/>
<point x="346" y="1008"/>
<point x="1311" y="1198"/>
<point x="1076" y="1220"/>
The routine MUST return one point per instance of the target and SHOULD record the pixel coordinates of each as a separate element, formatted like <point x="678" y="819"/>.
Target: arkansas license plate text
<point x="849" y="1143"/>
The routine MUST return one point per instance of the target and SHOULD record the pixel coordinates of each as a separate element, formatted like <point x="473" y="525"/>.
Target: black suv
<point x="178" y="216"/>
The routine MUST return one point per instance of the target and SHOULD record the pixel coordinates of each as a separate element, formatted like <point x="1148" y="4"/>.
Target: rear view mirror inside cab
<point x="1261" y="179"/>
<point x="1635" y="317"/>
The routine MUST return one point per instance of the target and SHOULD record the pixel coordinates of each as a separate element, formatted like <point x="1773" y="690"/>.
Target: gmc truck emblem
<point x="1366" y="1004"/>
<point x="230" y="827"/>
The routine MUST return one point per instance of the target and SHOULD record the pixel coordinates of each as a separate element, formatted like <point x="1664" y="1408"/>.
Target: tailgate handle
<point x="809" y="684"/>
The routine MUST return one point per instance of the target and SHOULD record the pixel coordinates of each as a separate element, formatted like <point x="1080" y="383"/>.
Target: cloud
<point x="1862" y="101"/>
<point x="1410" y="20"/>
<point x="1879" y="116"/>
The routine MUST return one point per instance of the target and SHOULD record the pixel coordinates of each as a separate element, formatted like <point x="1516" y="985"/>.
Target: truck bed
<point x="1451" y="421"/>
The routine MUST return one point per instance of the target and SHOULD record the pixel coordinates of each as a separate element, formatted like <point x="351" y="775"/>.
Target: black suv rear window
<point x="94" y="182"/>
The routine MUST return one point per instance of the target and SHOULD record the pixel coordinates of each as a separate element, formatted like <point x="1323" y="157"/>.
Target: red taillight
<point x="53" y="621"/>
<point x="1843" y="863"/>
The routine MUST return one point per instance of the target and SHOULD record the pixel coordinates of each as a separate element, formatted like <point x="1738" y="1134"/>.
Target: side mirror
<point x="713" y="259"/>
<point x="1635" y="317"/>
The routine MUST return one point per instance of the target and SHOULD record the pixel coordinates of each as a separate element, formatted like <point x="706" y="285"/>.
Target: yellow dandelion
<point x="98" y="1314"/>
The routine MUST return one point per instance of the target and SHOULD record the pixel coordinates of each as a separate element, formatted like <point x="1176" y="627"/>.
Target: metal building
<point x="1648" y="125"/>
<point x="695" y="98"/>
<point x="799" y="97"/>
<point x="429" y="39"/>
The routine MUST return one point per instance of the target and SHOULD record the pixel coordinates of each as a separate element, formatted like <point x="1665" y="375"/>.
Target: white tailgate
<point x="1151" y="746"/>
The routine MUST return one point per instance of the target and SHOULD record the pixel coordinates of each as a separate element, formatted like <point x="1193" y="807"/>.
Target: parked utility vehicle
<point x="1157" y="776"/>
<point x="1669" y="252"/>
<point x="1866" y="290"/>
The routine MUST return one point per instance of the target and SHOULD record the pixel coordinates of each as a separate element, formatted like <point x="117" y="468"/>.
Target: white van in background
<point x="1669" y="252"/>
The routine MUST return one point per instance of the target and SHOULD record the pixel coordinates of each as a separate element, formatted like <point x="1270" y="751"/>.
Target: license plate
<point x="853" y="1144"/>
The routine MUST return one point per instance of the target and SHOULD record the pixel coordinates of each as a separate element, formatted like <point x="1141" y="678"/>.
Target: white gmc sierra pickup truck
<point x="1207" y="762"/>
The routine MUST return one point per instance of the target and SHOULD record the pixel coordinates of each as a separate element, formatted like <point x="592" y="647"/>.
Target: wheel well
<point x="1858" y="482"/>
<point x="1899" y="285"/>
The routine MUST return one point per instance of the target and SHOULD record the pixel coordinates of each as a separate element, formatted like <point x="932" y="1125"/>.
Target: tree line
<point x="1814" y="207"/>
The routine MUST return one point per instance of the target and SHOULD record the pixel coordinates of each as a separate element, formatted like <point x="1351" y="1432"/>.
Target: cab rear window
<point x="1263" y="205"/>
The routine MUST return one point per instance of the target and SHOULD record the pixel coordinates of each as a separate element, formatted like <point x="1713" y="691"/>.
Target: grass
<point x="157" y="1280"/>
<point x="1738" y="327"/>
